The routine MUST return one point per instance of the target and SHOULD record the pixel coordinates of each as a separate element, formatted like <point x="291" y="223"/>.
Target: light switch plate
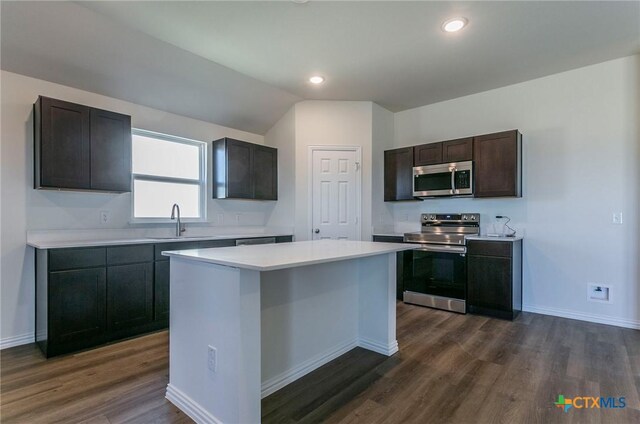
<point x="212" y="358"/>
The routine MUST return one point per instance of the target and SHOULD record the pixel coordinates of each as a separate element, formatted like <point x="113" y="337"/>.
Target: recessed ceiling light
<point x="316" y="79"/>
<point x="455" y="24"/>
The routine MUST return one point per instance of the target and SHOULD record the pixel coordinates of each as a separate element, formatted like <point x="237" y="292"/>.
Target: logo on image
<point x="589" y="402"/>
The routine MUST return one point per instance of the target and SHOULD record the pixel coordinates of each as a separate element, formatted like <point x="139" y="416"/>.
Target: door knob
<point x="317" y="230"/>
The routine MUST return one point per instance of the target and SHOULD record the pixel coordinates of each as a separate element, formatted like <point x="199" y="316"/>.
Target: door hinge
<point x="356" y="219"/>
<point x="357" y="166"/>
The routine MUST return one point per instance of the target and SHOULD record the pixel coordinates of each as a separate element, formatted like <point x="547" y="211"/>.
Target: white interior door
<point x="335" y="194"/>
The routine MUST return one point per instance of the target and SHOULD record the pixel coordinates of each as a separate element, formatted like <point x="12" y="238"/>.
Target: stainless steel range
<point x="435" y="273"/>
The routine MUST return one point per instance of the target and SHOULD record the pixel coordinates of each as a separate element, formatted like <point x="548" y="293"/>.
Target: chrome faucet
<point x="179" y="227"/>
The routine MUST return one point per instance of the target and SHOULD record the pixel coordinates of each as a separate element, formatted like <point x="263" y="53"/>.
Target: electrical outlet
<point x="104" y="217"/>
<point x="598" y="293"/>
<point x="616" y="218"/>
<point x="212" y="358"/>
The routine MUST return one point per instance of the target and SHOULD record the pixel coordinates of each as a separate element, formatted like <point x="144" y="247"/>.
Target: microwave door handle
<point x="453" y="180"/>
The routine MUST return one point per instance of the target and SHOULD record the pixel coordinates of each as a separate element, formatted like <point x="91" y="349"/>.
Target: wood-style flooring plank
<point x="451" y="368"/>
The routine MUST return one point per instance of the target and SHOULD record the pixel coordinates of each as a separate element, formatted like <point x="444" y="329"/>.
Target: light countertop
<point x="289" y="255"/>
<point x="487" y="238"/>
<point x="63" y="243"/>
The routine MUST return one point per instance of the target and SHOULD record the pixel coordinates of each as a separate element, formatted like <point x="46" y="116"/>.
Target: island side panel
<point x="309" y="317"/>
<point x="377" y="304"/>
<point x="216" y="306"/>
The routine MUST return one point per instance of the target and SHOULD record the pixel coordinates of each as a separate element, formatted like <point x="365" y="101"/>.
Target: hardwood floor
<point x="450" y="369"/>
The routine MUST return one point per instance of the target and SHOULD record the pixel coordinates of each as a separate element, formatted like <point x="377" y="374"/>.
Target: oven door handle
<point x="453" y="249"/>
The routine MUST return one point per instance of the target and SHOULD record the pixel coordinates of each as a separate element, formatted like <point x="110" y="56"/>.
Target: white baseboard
<point x="22" y="339"/>
<point x="276" y="383"/>
<point x="600" y="319"/>
<point x="377" y="347"/>
<point x="279" y="381"/>
<point x="190" y="407"/>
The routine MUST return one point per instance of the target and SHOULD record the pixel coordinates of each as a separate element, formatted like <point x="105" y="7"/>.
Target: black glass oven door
<point x="436" y="273"/>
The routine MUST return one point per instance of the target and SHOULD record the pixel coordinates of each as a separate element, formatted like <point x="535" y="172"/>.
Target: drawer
<point x="87" y="257"/>
<point x="119" y="255"/>
<point x="489" y="248"/>
<point x="388" y="239"/>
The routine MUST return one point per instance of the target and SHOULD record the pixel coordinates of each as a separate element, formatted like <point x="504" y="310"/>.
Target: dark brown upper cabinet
<point x="265" y="169"/>
<point x="110" y="151"/>
<point x="444" y="152"/>
<point x="427" y="154"/>
<point x="498" y="164"/>
<point x="62" y="144"/>
<point x="398" y="174"/>
<point x="243" y="170"/>
<point x="77" y="147"/>
<point x="457" y="150"/>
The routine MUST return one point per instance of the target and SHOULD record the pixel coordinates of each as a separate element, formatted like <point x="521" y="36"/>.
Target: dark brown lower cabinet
<point x="161" y="291"/>
<point x="129" y="296"/>
<point x="89" y="296"/>
<point x="494" y="278"/>
<point x="81" y="319"/>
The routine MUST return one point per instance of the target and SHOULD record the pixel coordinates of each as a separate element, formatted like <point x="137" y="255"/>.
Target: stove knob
<point x="473" y="217"/>
<point x="432" y="217"/>
<point x="464" y="217"/>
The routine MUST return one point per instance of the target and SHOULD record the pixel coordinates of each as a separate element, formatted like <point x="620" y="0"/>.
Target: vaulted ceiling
<point x="243" y="64"/>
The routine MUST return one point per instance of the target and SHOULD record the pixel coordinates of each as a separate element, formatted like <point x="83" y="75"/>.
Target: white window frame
<point x="202" y="182"/>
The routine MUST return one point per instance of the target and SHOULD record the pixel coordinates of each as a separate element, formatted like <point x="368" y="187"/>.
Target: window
<point x="167" y="170"/>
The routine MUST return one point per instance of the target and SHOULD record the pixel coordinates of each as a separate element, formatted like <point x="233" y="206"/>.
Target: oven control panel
<point x="450" y="217"/>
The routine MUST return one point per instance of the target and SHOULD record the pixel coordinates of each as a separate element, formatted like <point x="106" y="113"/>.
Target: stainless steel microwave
<point x="447" y="179"/>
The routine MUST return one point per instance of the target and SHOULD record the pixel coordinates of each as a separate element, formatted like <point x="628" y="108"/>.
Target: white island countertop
<point x="270" y="257"/>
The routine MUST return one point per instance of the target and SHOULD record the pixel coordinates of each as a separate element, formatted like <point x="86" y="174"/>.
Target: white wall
<point x="337" y="123"/>
<point x="320" y="123"/>
<point x="581" y="163"/>
<point x="382" y="139"/>
<point x="282" y="136"/>
<point x="24" y="208"/>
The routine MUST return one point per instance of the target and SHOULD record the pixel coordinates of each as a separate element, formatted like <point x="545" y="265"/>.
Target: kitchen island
<point x="246" y="321"/>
